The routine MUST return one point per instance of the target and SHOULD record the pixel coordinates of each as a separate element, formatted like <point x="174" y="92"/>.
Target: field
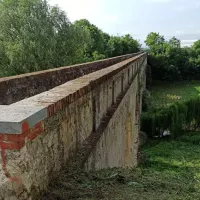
<point x="163" y="94"/>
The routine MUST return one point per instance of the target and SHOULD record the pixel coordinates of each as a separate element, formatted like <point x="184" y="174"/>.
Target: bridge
<point x="81" y="116"/>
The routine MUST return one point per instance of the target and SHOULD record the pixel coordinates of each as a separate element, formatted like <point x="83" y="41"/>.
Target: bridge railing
<point x="40" y="134"/>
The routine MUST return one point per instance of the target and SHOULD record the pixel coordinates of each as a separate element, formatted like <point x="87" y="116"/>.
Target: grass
<point x="163" y="94"/>
<point x="171" y="172"/>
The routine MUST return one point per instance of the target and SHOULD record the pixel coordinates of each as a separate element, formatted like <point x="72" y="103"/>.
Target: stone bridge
<point x="83" y="116"/>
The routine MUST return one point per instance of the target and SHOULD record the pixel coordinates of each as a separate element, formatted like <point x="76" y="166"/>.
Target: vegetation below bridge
<point x="171" y="171"/>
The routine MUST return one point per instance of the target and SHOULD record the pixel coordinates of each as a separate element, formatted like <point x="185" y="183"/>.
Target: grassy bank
<point x="171" y="172"/>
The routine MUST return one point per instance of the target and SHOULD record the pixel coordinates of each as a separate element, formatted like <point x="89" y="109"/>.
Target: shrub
<point x="177" y="118"/>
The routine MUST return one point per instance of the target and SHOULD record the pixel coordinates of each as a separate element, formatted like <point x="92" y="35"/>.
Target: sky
<point x="179" y="18"/>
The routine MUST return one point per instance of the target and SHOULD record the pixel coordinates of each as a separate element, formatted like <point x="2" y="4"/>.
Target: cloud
<point x="180" y="8"/>
<point x="158" y="1"/>
<point x="78" y="9"/>
<point x="184" y="5"/>
<point x="179" y="32"/>
<point x="125" y="32"/>
<point x="187" y="42"/>
<point x="111" y="18"/>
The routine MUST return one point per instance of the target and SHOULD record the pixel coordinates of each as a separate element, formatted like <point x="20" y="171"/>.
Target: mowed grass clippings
<point x="171" y="172"/>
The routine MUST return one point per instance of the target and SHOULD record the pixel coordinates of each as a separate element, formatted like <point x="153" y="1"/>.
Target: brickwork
<point x="20" y="87"/>
<point x="88" y="121"/>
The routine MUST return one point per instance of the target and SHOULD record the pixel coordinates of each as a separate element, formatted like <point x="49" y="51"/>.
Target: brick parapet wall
<point x="16" y="88"/>
<point x="57" y="122"/>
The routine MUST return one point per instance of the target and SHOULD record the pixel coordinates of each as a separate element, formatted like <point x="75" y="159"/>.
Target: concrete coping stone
<point x="35" y="109"/>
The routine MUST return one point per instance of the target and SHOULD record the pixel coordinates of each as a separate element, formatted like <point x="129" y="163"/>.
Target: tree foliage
<point x="178" y="117"/>
<point x="122" y="45"/>
<point x="171" y="62"/>
<point x="36" y="36"/>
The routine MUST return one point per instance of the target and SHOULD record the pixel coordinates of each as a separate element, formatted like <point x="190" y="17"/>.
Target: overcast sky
<point x="180" y="18"/>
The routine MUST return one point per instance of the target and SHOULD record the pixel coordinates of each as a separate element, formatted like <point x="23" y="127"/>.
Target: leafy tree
<point x="156" y="43"/>
<point x="130" y="45"/>
<point x="115" y="46"/>
<point x="36" y="36"/>
<point x="122" y="45"/>
<point x="196" y="52"/>
<point x="171" y="62"/>
<point x="174" y="42"/>
<point x="97" y="56"/>
<point x="97" y="42"/>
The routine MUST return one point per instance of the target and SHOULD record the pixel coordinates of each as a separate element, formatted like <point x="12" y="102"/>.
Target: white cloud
<point x="78" y="9"/>
<point x="92" y="10"/>
<point x="187" y="42"/>
<point x="179" y="32"/>
<point x="125" y="32"/>
<point x="183" y="5"/>
<point x="180" y="8"/>
<point x="158" y="1"/>
<point x="111" y="18"/>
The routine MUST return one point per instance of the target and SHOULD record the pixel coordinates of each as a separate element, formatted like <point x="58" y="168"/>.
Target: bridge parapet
<point x="16" y="88"/>
<point x="92" y="120"/>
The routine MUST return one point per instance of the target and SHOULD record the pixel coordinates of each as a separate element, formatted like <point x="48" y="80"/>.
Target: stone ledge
<point x="19" y="117"/>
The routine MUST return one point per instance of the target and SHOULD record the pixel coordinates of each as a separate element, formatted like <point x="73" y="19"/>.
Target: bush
<point x="177" y="118"/>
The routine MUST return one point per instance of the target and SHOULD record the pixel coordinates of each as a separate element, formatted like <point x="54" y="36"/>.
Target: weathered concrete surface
<point x="12" y="117"/>
<point x="92" y="120"/>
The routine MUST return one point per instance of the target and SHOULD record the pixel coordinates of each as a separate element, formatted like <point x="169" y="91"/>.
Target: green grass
<point x="171" y="172"/>
<point x="163" y="94"/>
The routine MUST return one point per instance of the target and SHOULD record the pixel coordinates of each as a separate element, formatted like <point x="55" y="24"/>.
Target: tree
<point x="122" y="45"/>
<point x="115" y="46"/>
<point x="156" y="43"/>
<point x="196" y="52"/>
<point x="174" y="42"/>
<point x="130" y="45"/>
<point x="170" y="62"/>
<point x="97" y="42"/>
<point x="36" y="36"/>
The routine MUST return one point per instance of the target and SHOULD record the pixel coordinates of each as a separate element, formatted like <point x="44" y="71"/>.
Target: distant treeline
<point x="170" y="62"/>
<point x="36" y="36"/>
